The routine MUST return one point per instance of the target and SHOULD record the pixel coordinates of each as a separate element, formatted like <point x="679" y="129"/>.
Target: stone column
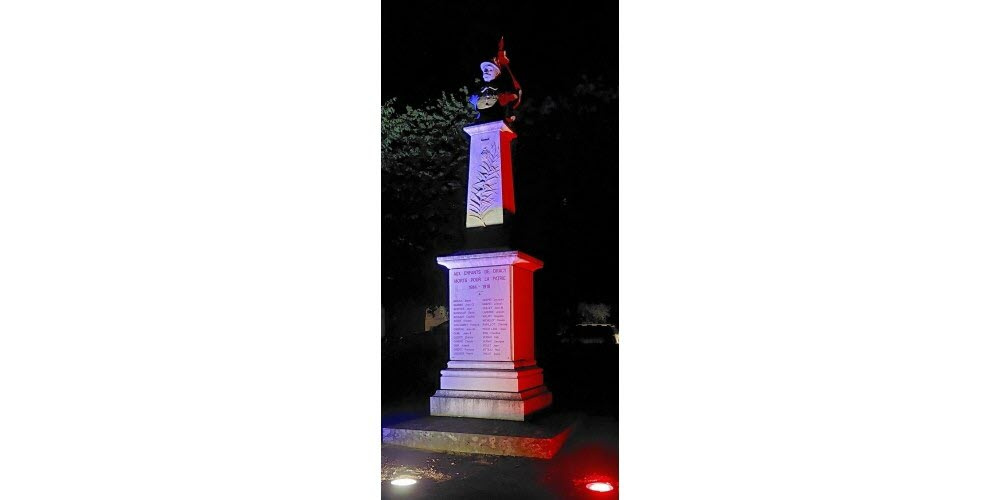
<point x="491" y="370"/>
<point x="491" y="183"/>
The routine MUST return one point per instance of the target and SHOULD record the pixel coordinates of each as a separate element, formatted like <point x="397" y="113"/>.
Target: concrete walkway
<point x="590" y="454"/>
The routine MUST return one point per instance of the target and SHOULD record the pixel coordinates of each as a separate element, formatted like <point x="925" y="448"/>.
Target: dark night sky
<point x="566" y="173"/>
<point x="434" y="46"/>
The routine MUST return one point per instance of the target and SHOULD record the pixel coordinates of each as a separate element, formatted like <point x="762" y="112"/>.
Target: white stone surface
<point x="488" y="321"/>
<point x="492" y="371"/>
<point x="491" y="365"/>
<point x="481" y="314"/>
<point x="487" y="152"/>
<point x="492" y="405"/>
<point x="491" y="380"/>
<point x="510" y="257"/>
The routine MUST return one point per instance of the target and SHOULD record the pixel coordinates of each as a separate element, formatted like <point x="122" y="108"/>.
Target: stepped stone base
<point x="539" y="438"/>
<point x="491" y="405"/>
<point x="503" y="390"/>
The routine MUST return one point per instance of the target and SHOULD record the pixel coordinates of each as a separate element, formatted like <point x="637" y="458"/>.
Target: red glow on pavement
<point x="581" y="469"/>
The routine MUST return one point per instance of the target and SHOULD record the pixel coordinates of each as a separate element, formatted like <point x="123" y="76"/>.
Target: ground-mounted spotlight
<point x="600" y="486"/>
<point x="405" y="481"/>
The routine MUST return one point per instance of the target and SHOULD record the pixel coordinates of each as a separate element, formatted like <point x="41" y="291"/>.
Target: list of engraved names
<point x="480" y="313"/>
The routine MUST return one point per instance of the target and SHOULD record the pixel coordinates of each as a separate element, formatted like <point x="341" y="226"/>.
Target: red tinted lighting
<point x="600" y="487"/>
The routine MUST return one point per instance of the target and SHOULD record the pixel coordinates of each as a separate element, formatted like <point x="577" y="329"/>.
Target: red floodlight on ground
<point x="600" y="487"/>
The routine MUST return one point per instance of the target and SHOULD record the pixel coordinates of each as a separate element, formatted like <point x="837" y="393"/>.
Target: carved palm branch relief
<point x="485" y="183"/>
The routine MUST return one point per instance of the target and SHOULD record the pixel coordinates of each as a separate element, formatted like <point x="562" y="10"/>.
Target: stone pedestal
<point x="540" y="438"/>
<point x="491" y="370"/>
<point x="491" y="182"/>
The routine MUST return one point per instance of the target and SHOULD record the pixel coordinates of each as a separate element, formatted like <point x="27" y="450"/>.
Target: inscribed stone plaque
<point x="480" y="313"/>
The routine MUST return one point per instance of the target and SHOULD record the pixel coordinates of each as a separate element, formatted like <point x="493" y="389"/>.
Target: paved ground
<point x="590" y="454"/>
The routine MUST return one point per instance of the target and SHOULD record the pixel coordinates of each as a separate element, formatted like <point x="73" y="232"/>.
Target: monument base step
<point x="490" y="405"/>
<point x="541" y="437"/>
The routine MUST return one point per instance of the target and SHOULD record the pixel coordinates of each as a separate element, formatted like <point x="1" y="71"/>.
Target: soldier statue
<point x="500" y="94"/>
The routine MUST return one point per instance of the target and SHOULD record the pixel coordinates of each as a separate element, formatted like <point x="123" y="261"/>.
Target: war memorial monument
<point x="492" y="389"/>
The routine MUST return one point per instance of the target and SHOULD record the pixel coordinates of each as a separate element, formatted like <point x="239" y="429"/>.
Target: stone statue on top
<point x="500" y="94"/>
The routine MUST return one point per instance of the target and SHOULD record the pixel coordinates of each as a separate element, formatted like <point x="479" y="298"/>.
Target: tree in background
<point x="423" y="167"/>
